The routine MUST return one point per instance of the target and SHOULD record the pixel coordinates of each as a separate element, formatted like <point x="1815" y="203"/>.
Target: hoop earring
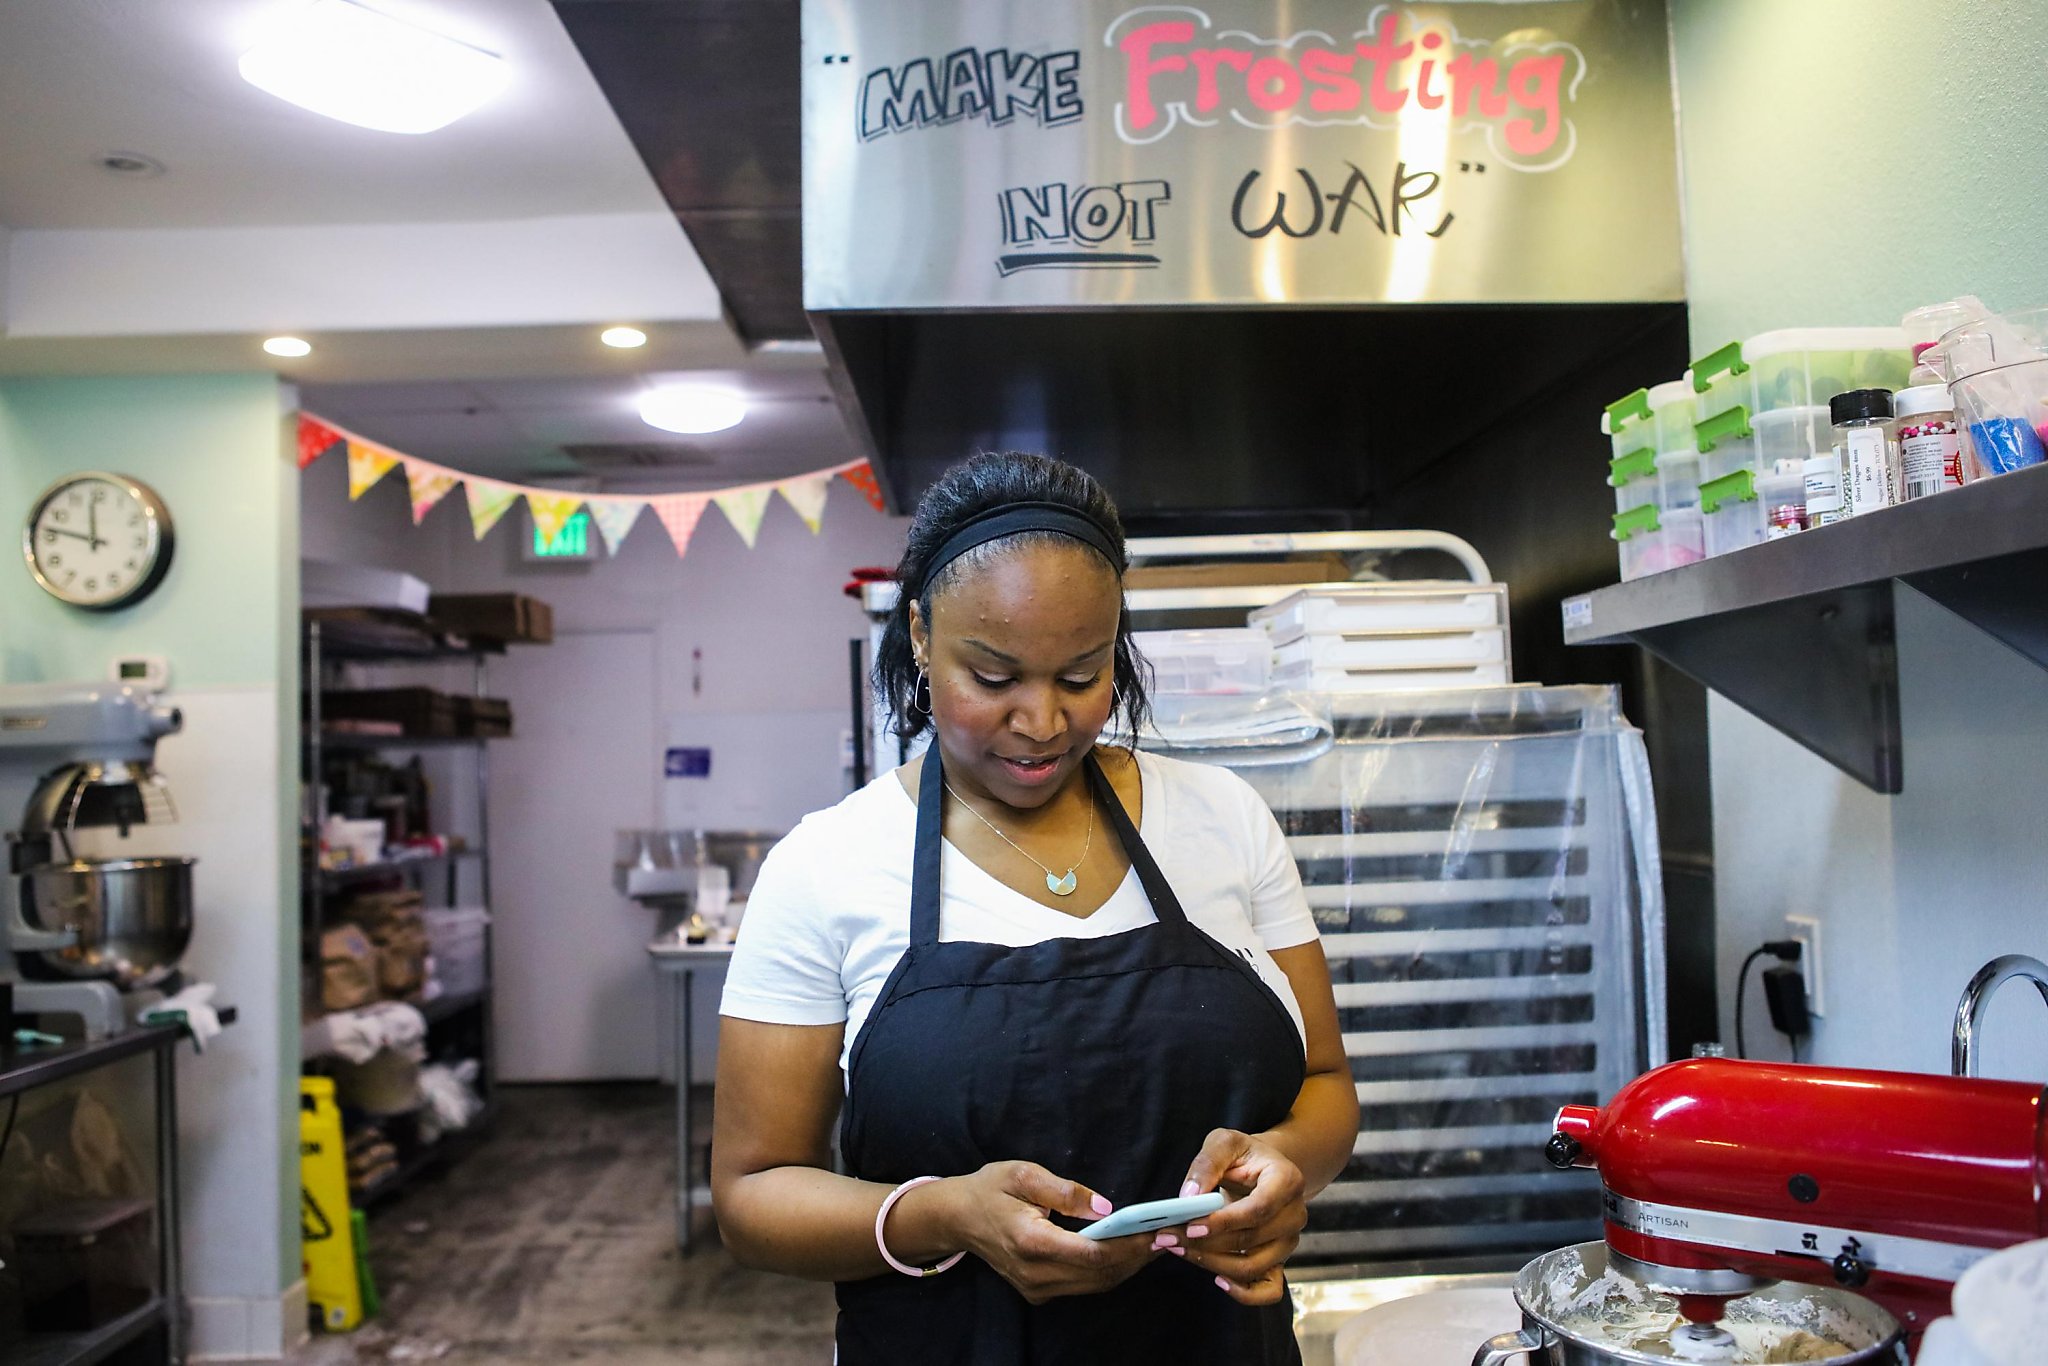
<point x="926" y="705"/>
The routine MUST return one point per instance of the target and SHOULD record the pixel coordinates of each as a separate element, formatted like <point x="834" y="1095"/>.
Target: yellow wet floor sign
<point x="326" y="1231"/>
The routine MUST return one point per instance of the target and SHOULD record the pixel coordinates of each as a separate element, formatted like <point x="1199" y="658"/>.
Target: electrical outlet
<point x="1806" y="929"/>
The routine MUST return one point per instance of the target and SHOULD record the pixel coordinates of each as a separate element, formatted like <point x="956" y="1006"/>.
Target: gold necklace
<point x="1054" y="882"/>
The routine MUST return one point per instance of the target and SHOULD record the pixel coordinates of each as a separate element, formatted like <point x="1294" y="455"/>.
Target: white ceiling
<point x="493" y="392"/>
<point x="79" y="78"/>
<point x="514" y="429"/>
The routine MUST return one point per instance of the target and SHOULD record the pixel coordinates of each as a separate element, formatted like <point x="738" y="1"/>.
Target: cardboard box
<point x="1239" y="573"/>
<point x="494" y="616"/>
<point x="419" y="711"/>
<point x="486" y="717"/>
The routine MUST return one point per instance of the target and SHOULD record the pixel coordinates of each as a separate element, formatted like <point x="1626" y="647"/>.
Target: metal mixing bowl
<point x="133" y="917"/>
<point x="1555" y="1324"/>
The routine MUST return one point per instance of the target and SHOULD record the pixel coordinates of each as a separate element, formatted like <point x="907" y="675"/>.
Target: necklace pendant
<point x="1062" y="886"/>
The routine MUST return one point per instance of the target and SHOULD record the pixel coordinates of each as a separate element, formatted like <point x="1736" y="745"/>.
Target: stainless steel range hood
<point x="1248" y="260"/>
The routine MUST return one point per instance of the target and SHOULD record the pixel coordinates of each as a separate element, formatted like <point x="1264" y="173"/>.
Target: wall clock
<point x="98" y="541"/>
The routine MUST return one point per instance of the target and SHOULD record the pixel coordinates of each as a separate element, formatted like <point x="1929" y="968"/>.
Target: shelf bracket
<point x="1822" y="668"/>
<point x="2001" y="597"/>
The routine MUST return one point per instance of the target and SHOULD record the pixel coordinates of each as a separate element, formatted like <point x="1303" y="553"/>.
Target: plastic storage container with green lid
<point x="1742" y="508"/>
<point x="1651" y="539"/>
<point x="1796" y="367"/>
<point x="1665" y="470"/>
<point x="1627" y="422"/>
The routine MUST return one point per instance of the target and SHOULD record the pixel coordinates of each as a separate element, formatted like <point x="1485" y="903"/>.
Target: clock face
<point x="98" y="541"/>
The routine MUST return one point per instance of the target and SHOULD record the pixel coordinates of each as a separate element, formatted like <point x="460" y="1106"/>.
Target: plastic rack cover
<point x="1482" y="863"/>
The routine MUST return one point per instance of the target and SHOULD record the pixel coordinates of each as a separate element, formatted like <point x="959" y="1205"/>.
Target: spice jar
<point x="1930" y="449"/>
<point x="1867" y="448"/>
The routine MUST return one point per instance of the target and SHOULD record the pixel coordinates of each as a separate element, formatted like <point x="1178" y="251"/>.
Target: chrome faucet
<point x="1977" y="995"/>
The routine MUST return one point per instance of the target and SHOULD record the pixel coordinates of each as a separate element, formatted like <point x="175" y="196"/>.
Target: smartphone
<point x="1154" y="1214"/>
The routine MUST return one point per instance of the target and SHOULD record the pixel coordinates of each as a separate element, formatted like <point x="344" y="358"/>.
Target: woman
<point x="1032" y="1014"/>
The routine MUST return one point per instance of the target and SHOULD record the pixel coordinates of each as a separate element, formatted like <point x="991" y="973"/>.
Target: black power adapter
<point x="1784" y="990"/>
<point x="1785" y="994"/>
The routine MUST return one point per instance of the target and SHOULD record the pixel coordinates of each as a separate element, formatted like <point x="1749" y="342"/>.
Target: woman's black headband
<point x="1009" y="520"/>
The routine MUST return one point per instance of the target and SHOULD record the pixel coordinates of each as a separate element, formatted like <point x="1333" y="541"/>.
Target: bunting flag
<point x="679" y="513"/>
<point x="428" y="484"/>
<point x="614" y="518"/>
<point x="316" y="438"/>
<point x="807" y="496"/>
<point x="488" y="501"/>
<point x="862" y="477"/>
<point x="551" y="512"/>
<point x="744" y="507"/>
<point x="366" y="465"/>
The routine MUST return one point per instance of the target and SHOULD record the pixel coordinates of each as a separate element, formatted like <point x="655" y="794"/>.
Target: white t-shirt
<point x="829" y="915"/>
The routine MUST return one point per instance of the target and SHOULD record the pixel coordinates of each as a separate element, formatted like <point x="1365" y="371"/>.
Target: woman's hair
<point x="975" y="485"/>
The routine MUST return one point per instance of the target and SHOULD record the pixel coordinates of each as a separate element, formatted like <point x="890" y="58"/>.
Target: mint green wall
<point x="1844" y="161"/>
<point x="212" y="447"/>
<point x="217" y="449"/>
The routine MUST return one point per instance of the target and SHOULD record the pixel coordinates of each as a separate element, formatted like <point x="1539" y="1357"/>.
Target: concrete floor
<point x="554" y="1240"/>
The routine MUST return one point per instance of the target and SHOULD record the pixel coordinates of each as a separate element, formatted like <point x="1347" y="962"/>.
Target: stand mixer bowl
<point x="1575" y="1314"/>
<point x="133" y="918"/>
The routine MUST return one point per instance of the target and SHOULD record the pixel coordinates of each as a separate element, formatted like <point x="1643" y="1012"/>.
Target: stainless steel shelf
<point x="330" y="878"/>
<point x="320" y="649"/>
<point x="392" y="636"/>
<point x="350" y="740"/>
<point x="1801" y="631"/>
<point x="81" y="1349"/>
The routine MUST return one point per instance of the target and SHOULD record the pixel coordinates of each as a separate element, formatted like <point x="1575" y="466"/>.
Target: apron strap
<point x="924" y="868"/>
<point x="1165" y="905"/>
<point x="931" y="810"/>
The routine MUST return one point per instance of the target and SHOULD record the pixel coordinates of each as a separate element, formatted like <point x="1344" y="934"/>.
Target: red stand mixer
<point x="1723" y="1177"/>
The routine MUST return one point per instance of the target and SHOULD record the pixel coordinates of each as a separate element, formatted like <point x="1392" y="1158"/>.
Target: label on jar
<point x="1867" y="455"/>
<point x="1930" y="454"/>
<point x="1822" y="476"/>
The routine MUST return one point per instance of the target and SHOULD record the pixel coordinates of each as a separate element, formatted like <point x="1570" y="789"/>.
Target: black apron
<point x="1107" y="1061"/>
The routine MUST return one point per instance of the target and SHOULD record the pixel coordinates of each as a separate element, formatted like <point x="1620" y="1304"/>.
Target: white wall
<point x="1830" y="180"/>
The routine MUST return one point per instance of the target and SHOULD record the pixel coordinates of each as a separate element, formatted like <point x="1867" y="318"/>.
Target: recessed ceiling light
<point x="288" y="346"/>
<point x="623" y="337"/>
<point x="690" y="410"/>
<point x="337" y="58"/>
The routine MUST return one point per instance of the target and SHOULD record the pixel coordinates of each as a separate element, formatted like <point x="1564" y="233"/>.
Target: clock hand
<point x="92" y="525"/>
<point x="74" y="535"/>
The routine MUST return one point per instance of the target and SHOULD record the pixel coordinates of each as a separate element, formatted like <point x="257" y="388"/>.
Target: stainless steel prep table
<point x="685" y="961"/>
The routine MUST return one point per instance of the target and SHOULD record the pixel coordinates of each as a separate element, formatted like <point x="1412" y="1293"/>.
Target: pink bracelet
<point x="882" y="1214"/>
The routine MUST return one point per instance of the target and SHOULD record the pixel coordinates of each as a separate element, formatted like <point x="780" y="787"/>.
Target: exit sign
<point x="572" y="542"/>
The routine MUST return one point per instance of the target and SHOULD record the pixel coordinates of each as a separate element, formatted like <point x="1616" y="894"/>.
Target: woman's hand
<point x="1248" y="1241"/>
<point x="999" y="1214"/>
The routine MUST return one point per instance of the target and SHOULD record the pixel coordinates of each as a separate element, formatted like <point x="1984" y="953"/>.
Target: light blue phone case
<point x="1154" y="1214"/>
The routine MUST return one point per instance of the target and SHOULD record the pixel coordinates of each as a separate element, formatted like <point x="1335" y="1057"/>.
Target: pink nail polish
<point x="1165" y="1240"/>
<point x="1222" y="1285"/>
<point x="1198" y="1230"/>
<point x="1178" y="1251"/>
<point x="1187" y="1189"/>
<point x="1100" y="1205"/>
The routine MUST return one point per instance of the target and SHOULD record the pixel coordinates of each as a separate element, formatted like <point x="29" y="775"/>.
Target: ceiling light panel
<point x="691" y="410"/>
<point x="351" y="63"/>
